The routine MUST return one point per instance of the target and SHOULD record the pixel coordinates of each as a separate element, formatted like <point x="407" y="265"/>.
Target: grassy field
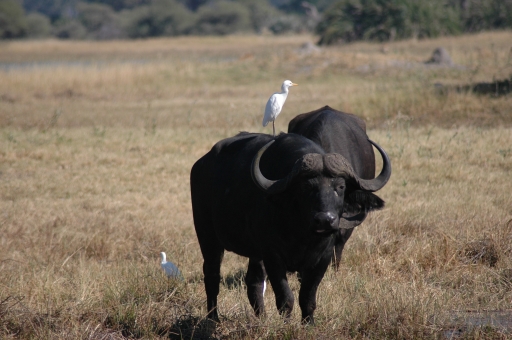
<point x="96" y="144"/>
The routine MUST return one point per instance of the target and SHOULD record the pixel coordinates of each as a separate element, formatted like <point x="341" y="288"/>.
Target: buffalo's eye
<point x="338" y="189"/>
<point x="338" y="186"/>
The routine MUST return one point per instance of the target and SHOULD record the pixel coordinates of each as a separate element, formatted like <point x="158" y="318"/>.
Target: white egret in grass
<point x="275" y="105"/>
<point x="170" y="268"/>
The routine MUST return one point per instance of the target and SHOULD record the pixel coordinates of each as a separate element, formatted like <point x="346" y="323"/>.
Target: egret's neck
<point x="162" y="255"/>
<point x="284" y="89"/>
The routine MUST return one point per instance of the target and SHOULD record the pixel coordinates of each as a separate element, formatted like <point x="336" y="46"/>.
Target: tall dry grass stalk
<point x="97" y="141"/>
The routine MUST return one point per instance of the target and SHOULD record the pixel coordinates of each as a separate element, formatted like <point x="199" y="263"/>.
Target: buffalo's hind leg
<point x="211" y="270"/>
<point x="213" y="253"/>
<point x="276" y="271"/>
<point x="255" y="281"/>
<point x="211" y="248"/>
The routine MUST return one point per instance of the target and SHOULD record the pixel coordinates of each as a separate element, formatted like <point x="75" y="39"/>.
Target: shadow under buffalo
<point x="192" y="327"/>
<point x="199" y="328"/>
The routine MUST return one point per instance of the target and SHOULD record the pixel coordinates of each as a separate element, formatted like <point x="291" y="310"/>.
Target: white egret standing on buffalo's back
<point x="275" y="105"/>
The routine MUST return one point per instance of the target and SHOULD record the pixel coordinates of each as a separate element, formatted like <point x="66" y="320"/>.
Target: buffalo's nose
<point x="326" y="220"/>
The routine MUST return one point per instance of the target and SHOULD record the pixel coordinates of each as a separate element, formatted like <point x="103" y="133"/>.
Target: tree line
<point x="334" y="21"/>
<point x="385" y="20"/>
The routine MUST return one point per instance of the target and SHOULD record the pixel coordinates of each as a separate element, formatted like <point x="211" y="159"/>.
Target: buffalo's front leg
<point x="255" y="281"/>
<point x="277" y="275"/>
<point x="311" y="278"/>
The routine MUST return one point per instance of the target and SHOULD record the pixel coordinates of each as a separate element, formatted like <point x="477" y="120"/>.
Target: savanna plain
<point x="96" y="144"/>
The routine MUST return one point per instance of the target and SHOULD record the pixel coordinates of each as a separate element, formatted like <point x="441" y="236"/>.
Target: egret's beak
<point x="293" y="84"/>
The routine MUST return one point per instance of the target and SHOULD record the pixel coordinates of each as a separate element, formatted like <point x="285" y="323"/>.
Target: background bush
<point x="13" y="23"/>
<point x="381" y="20"/>
<point x="222" y="17"/>
<point x="286" y="24"/>
<point x="99" y="20"/>
<point x="69" y="29"/>
<point x="478" y="15"/>
<point x="160" y="18"/>
<point x="333" y="20"/>
<point x="261" y="13"/>
<point x="38" y="25"/>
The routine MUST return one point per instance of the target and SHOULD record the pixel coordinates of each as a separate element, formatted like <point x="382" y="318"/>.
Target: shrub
<point x="38" y="25"/>
<point x="350" y="20"/>
<point x="69" y="29"/>
<point x="287" y="24"/>
<point x="161" y="17"/>
<point x="487" y="14"/>
<point x="193" y="5"/>
<point x="118" y="5"/>
<point x="51" y="8"/>
<point x="261" y="13"/>
<point x="380" y="20"/>
<point x="295" y="6"/>
<point x="100" y="21"/>
<point x="433" y="18"/>
<point x="222" y="17"/>
<point x="93" y="15"/>
<point x="12" y="19"/>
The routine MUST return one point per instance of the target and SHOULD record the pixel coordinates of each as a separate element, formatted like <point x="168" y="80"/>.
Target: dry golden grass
<point x="97" y="141"/>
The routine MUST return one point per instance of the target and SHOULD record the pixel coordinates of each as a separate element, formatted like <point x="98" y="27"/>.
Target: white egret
<point x="170" y="268"/>
<point x="275" y="105"/>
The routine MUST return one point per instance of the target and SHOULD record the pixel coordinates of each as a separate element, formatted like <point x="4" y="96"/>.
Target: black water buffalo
<point x="287" y="223"/>
<point x="345" y="134"/>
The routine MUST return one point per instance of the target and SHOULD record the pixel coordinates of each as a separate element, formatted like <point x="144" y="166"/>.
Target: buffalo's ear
<point x="359" y="200"/>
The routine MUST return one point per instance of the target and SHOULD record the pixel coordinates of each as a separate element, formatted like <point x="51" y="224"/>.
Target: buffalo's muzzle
<point x="326" y="222"/>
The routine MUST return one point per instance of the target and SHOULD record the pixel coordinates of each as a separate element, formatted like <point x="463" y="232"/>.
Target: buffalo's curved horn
<point x="309" y="163"/>
<point x="336" y="164"/>
<point x="381" y="180"/>
<point x="256" y="174"/>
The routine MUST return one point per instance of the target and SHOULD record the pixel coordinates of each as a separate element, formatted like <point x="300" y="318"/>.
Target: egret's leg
<point x="273" y="129"/>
